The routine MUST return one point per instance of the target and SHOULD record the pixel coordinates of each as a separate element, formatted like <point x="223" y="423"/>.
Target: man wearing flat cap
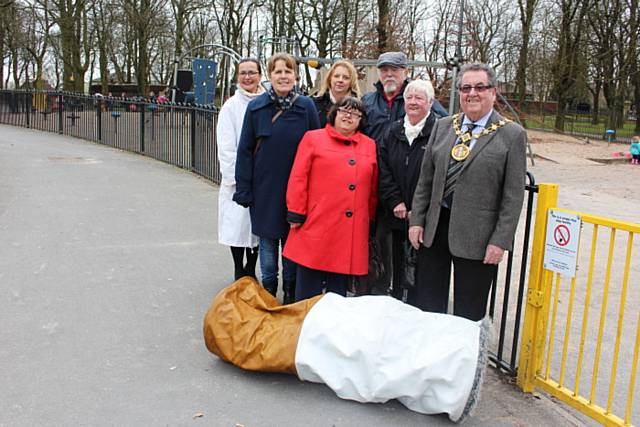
<point x="384" y="106"/>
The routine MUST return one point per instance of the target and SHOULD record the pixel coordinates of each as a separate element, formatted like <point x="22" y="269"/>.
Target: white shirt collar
<point x="482" y="123"/>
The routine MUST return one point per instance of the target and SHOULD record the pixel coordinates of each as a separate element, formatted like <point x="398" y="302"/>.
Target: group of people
<point x="307" y="182"/>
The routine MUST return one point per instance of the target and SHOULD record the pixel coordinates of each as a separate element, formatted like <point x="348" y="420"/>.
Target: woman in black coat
<point x="340" y="81"/>
<point x="400" y="159"/>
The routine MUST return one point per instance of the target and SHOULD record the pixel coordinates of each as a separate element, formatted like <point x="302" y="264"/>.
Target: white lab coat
<point x="234" y="222"/>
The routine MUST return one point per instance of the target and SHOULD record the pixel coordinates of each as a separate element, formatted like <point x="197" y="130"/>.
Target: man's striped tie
<point x="455" y="167"/>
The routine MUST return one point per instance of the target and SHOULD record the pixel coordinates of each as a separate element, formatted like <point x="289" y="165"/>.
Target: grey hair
<point x="477" y="66"/>
<point x="424" y="86"/>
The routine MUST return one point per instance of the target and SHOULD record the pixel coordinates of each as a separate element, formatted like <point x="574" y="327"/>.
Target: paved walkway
<point x="108" y="262"/>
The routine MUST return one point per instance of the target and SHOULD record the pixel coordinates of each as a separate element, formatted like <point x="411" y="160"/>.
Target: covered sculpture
<point x="368" y="349"/>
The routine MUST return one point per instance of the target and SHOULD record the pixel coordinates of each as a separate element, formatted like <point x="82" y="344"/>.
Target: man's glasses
<point x="248" y="73"/>
<point x="349" y="113"/>
<point x="479" y="88"/>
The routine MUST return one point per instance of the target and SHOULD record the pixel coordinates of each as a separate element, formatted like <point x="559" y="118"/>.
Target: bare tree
<point x="614" y="24"/>
<point x="489" y="24"/>
<point x="37" y="35"/>
<point x="75" y="39"/>
<point x="144" y="17"/>
<point x="383" y="25"/>
<point x="566" y="62"/>
<point x="103" y="19"/>
<point x="526" y="9"/>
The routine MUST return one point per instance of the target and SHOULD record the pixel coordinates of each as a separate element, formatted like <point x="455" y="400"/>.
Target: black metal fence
<point x="577" y="122"/>
<point x="184" y="136"/>
<point x="181" y="135"/>
<point x="505" y="308"/>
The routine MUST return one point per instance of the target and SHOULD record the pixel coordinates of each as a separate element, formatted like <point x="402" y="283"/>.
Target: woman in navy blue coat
<point x="273" y="127"/>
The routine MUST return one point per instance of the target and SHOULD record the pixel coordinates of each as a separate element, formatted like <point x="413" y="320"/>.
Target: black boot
<point x="252" y="258"/>
<point x="239" y="272"/>
<point x="289" y="288"/>
<point x="271" y="287"/>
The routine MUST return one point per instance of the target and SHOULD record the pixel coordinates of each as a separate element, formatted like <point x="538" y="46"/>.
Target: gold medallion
<point x="459" y="152"/>
<point x="467" y="136"/>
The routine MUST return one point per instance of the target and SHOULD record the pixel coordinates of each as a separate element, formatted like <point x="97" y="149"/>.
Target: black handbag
<point x="376" y="266"/>
<point x="410" y="263"/>
<point x="362" y="285"/>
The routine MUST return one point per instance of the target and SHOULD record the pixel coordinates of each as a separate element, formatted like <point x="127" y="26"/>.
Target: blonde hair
<point x="289" y="62"/>
<point x="353" y="74"/>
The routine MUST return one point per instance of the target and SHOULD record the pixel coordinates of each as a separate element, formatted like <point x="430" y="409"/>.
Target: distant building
<point x="510" y="91"/>
<point x="128" y="89"/>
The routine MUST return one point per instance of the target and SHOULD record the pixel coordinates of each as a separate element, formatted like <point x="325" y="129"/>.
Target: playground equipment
<point x="204" y="71"/>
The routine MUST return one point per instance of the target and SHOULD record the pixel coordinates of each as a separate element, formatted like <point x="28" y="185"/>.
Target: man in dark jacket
<point x="384" y="106"/>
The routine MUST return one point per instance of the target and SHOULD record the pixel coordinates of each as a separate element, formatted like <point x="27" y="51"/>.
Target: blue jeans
<point x="269" y="253"/>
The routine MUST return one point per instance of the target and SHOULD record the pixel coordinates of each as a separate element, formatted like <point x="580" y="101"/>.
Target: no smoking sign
<point x="561" y="244"/>
<point x="562" y="235"/>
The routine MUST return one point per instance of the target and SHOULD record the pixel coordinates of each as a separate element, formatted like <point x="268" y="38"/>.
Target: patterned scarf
<point x="282" y="103"/>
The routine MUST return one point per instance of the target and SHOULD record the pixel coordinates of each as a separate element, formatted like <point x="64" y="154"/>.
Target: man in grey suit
<point x="468" y="199"/>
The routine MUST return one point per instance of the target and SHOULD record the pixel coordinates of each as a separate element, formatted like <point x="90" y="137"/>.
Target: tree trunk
<point x="383" y="23"/>
<point x="636" y="93"/>
<point x="180" y="21"/>
<point x="526" y="18"/>
<point x="565" y="67"/>
<point x="143" y="59"/>
<point x="595" y="112"/>
<point x="15" y="63"/>
<point x="2" y="41"/>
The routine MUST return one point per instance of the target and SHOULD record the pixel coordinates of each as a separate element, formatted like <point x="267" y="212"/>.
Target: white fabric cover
<point x="234" y="222"/>
<point x="376" y="348"/>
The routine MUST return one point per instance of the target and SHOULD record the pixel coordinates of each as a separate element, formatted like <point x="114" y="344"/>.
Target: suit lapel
<point x="450" y="142"/>
<point x="483" y="140"/>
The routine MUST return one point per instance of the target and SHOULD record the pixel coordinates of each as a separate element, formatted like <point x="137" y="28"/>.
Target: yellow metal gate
<point x="580" y="339"/>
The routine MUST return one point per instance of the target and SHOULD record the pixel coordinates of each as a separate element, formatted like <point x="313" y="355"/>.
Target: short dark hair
<point x="477" y="66"/>
<point x="244" y="60"/>
<point x="351" y="103"/>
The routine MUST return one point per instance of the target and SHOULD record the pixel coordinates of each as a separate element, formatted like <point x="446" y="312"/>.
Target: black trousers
<point x="472" y="279"/>
<point x="310" y="282"/>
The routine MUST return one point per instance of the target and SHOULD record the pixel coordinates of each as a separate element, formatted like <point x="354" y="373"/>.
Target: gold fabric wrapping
<point x="248" y="327"/>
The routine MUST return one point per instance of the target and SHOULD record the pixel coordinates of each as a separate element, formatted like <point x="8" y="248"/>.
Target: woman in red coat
<point x="331" y="198"/>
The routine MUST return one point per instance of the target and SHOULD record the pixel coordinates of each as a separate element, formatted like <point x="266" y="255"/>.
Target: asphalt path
<point x="108" y="262"/>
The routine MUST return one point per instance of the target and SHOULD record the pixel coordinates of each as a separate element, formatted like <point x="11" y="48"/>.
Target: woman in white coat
<point x="234" y="222"/>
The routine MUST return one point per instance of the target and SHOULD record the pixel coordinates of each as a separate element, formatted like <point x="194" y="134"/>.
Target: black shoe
<point x="238" y="273"/>
<point x="271" y="287"/>
<point x="289" y="288"/>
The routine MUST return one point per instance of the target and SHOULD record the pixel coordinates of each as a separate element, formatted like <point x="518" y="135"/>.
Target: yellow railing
<point x="563" y="343"/>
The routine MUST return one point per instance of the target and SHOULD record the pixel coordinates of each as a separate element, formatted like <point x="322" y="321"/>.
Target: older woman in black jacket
<point x="400" y="158"/>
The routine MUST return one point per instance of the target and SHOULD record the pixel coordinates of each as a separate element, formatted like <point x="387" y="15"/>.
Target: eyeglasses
<point x="479" y="88"/>
<point x="248" y="73"/>
<point x="349" y="113"/>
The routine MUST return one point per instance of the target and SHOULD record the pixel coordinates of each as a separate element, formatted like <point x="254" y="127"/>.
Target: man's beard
<point x="390" y="87"/>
